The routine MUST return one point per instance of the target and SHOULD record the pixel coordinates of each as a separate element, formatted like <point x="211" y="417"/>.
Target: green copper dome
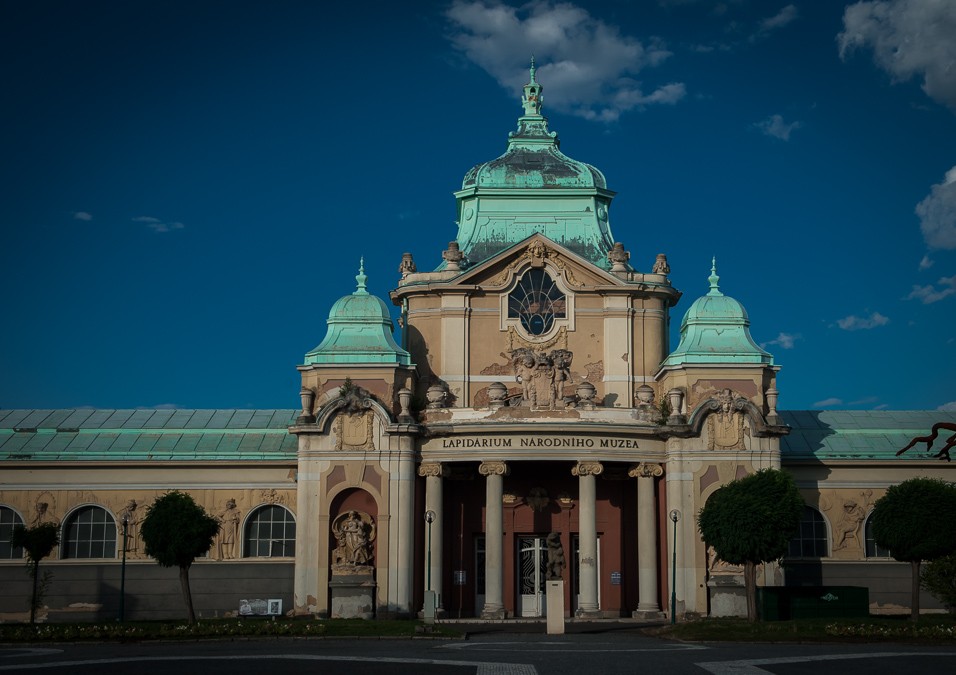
<point x="360" y="331"/>
<point x="534" y="187"/>
<point x="716" y="329"/>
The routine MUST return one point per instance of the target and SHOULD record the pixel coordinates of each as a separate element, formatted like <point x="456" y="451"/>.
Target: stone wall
<point x="90" y="592"/>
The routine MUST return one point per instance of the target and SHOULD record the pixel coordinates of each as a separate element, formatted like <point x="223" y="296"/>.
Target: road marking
<point x="27" y="651"/>
<point x="482" y="668"/>
<point x="552" y="646"/>
<point x="749" y="666"/>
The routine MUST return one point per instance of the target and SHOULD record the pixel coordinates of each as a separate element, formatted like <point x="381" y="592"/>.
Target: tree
<point x="175" y="531"/>
<point x="914" y="521"/>
<point x="38" y="542"/>
<point x="939" y="578"/>
<point x="751" y="521"/>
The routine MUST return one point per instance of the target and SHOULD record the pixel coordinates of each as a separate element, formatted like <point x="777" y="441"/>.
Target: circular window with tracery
<point x="536" y="302"/>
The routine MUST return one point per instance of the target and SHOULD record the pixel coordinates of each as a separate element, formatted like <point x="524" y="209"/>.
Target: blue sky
<point x="188" y="186"/>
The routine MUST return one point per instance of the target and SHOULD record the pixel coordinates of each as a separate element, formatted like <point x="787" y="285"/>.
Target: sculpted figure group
<point x="354" y="533"/>
<point x="542" y="376"/>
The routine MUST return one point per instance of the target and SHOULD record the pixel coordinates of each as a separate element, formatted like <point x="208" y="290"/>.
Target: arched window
<point x="9" y="519"/>
<point x="872" y="549"/>
<point x="270" y="532"/>
<point x="537" y="301"/>
<point x="90" y="532"/>
<point x="811" y="540"/>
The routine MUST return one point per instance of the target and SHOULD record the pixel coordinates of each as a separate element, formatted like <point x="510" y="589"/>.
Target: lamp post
<point x="675" y="516"/>
<point x="429" y="518"/>
<point x="122" y="608"/>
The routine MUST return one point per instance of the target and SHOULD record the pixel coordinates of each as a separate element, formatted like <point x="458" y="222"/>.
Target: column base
<point x="648" y="614"/>
<point x="493" y="613"/>
<point x="581" y="613"/>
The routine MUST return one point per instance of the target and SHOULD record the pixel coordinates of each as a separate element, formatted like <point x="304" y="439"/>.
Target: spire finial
<point x="713" y="278"/>
<point x="360" y="278"/>
<point x="532" y="94"/>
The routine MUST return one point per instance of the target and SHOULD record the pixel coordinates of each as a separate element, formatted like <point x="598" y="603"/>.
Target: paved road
<point x="493" y="652"/>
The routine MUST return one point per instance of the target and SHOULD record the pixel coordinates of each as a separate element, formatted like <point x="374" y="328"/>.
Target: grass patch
<point x="935" y="629"/>
<point x="132" y="631"/>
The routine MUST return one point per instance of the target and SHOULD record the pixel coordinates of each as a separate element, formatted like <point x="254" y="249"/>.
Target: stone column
<point x="587" y="537"/>
<point x="494" y="533"/>
<point x="400" y="564"/>
<point x="647" y="605"/>
<point x="434" y="472"/>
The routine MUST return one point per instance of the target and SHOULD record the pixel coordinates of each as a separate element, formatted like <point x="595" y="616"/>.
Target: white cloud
<point x="948" y="407"/>
<point x="161" y="406"/>
<point x="908" y="38"/>
<point x="937" y="212"/>
<point x="586" y="66"/>
<point x="82" y="215"/>
<point x="929" y="294"/>
<point x="882" y="406"/>
<point x="825" y="403"/>
<point x="778" y="20"/>
<point x="854" y="322"/>
<point x="925" y="263"/>
<point x="157" y="225"/>
<point x="776" y="127"/>
<point x="783" y="340"/>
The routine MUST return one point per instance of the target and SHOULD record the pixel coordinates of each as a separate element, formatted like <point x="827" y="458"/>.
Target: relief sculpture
<point x="726" y="428"/>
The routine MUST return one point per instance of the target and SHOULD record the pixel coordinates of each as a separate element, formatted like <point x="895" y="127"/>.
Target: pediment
<point x="500" y="271"/>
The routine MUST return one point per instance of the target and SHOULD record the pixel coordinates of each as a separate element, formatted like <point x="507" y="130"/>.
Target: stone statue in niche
<point x="354" y="532"/>
<point x="556" y="561"/>
<point x="726" y="428"/>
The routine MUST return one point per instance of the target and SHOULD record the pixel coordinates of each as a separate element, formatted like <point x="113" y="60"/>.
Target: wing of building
<point x="527" y="421"/>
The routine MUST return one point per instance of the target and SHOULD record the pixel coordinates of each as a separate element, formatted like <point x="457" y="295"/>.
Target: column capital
<point x="433" y="469"/>
<point x="645" y="470"/>
<point x="587" y="469"/>
<point x="493" y="469"/>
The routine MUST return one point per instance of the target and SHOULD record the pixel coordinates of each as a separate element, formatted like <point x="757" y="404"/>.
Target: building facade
<point x="530" y="420"/>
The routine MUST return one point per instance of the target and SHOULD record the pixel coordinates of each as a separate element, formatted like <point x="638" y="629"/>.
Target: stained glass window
<point x="537" y="301"/>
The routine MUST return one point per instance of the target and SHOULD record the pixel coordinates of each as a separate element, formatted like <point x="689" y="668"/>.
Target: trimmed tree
<point x="38" y="542"/>
<point x="751" y="521"/>
<point x="914" y="521"/>
<point x="175" y="531"/>
<point x="939" y="578"/>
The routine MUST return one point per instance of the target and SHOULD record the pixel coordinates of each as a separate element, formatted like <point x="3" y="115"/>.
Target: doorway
<point x="532" y="573"/>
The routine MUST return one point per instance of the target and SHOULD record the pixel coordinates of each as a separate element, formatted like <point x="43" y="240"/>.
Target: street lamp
<point x="122" y="612"/>
<point x="675" y="516"/>
<point x="429" y="518"/>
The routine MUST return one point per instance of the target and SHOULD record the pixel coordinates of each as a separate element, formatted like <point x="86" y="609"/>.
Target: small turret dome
<point x="360" y="331"/>
<point x="716" y="329"/>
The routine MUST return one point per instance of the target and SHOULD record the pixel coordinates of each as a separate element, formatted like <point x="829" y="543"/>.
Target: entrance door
<point x="532" y="571"/>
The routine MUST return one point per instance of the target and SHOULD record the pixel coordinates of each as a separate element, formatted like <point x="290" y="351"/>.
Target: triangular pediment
<point x="536" y="250"/>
